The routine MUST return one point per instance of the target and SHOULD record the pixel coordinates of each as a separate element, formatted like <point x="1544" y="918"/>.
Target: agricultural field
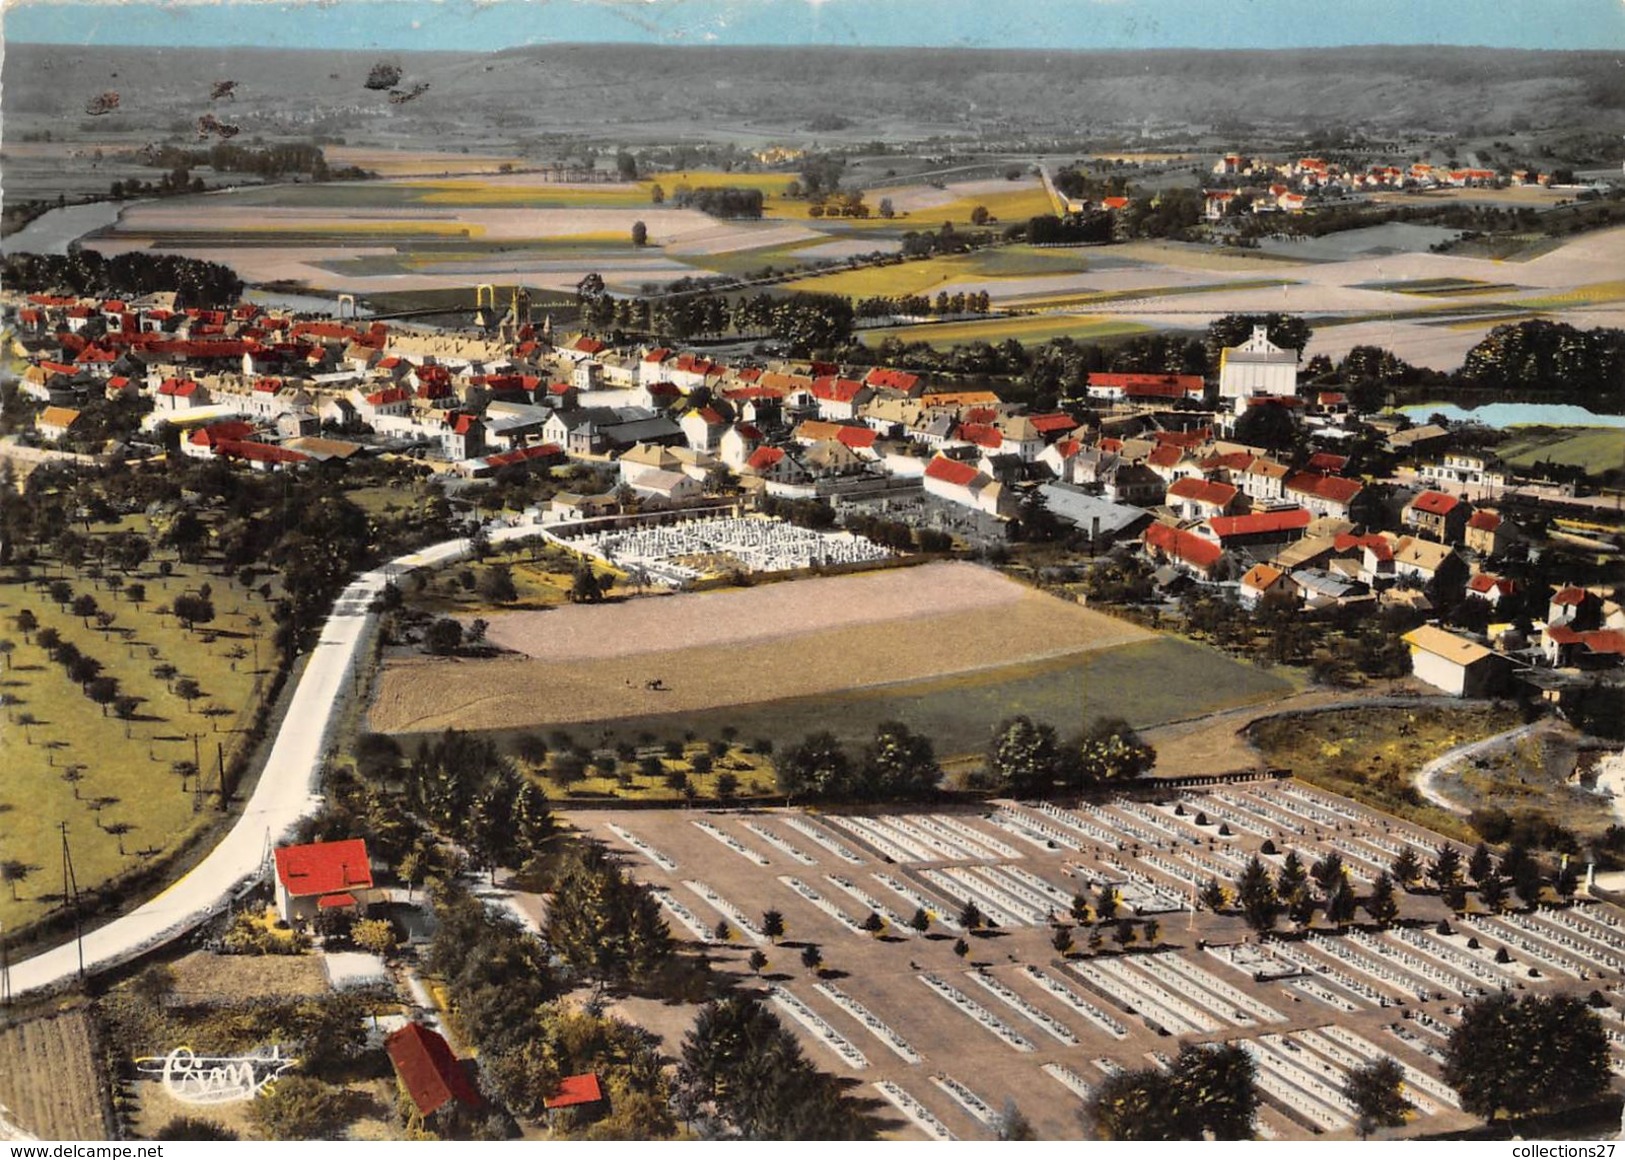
<point x="866" y="649"/>
<point x="1593" y="449"/>
<point x="1032" y="328"/>
<point x="116" y="782"/>
<point x="1373" y="755"/>
<point x="50" y="1077"/>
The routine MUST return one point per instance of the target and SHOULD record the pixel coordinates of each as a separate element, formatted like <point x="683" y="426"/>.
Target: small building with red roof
<point x="1194" y="498"/>
<point x="1113" y="387"/>
<point x="1324" y="495"/>
<point x="432" y="1077"/>
<point x="575" y="1091"/>
<point x="1184" y="550"/>
<point x="322" y="876"/>
<point x="1437" y="515"/>
<point x="1487" y="533"/>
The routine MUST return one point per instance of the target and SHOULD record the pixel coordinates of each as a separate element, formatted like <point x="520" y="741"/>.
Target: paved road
<point x="287" y="790"/>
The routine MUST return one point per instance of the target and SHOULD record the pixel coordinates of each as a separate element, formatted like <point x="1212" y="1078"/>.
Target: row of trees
<point x="1029" y="759"/>
<point x="468" y="789"/>
<point x="1540" y="355"/>
<point x="720" y="201"/>
<point x="86" y="272"/>
<point x="917" y="305"/>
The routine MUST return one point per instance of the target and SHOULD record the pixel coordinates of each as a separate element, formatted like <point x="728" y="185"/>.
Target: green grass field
<point x="1595" y="449"/>
<point x="125" y="781"/>
<point x="1025" y="328"/>
<point x="919" y="276"/>
<point x="1148" y="683"/>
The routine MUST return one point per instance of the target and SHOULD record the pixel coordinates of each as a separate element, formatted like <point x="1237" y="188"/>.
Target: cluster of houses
<point x="437" y="1088"/>
<point x="1154" y="462"/>
<point x="1286" y="186"/>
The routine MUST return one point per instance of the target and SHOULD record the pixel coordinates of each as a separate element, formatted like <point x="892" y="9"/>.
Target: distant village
<point x="1155" y="467"/>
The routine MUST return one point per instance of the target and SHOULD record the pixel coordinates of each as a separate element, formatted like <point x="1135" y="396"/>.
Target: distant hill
<point x="645" y="92"/>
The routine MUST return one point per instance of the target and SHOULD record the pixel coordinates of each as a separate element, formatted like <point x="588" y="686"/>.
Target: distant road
<point x="288" y="790"/>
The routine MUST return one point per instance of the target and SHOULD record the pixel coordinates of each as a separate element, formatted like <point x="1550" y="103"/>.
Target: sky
<point x="489" y="25"/>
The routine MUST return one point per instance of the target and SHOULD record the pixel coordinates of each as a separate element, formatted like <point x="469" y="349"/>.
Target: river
<point x="51" y="232"/>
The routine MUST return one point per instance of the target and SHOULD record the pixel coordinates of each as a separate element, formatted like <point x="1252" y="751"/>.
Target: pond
<point x="1502" y="415"/>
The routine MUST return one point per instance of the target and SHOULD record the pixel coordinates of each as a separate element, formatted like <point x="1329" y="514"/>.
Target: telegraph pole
<point x="70" y="894"/>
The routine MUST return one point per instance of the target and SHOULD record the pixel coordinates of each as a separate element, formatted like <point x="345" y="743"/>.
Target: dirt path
<point x="1214" y="743"/>
<point x="1427" y="777"/>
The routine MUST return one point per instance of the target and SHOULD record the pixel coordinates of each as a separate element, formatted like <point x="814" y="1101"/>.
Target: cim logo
<point x="215" y="1079"/>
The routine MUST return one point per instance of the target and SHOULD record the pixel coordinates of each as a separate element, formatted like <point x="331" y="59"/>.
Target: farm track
<point x="49" y="1077"/>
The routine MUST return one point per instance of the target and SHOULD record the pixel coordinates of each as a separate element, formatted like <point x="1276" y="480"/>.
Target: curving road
<point x="287" y="790"/>
<point x="1427" y="778"/>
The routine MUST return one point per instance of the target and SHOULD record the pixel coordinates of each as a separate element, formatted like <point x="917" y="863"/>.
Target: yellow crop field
<point x="1025" y="328"/>
<point x="408" y="229"/>
<point x="1588" y="295"/>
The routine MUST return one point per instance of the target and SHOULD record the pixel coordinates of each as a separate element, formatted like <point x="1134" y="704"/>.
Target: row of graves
<point x="947" y="1024"/>
<point x="678" y="552"/>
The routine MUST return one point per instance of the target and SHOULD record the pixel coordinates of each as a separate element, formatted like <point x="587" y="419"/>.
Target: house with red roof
<point x="837" y="399"/>
<point x="1487" y="533"/>
<point x="1324" y="495"/>
<point x="261" y="456"/>
<point x="964" y="484"/>
<point x="582" y="1092"/>
<point x="206" y="441"/>
<point x="1113" y="387"/>
<point x="1576" y="607"/>
<point x="1272" y="528"/>
<point x="391" y="402"/>
<point x="1184" y="550"/>
<point x="463" y="436"/>
<point x="55" y="423"/>
<point x="1201" y="499"/>
<point x="433" y="1079"/>
<point x="703" y="428"/>
<point x="894" y="381"/>
<point x="1490" y="588"/>
<point x="738" y="443"/>
<point x="1568" y="647"/>
<point x="175" y="395"/>
<point x="1437" y="515"/>
<point x="777" y="468"/>
<point x="322" y="876"/>
<point x="1263" y="580"/>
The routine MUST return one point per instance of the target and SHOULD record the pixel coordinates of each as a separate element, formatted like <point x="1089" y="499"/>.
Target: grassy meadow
<point x="1027" y="328"/>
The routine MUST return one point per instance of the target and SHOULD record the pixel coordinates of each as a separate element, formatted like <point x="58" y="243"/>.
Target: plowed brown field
<point x="48" y="1078"/>
<point x="589" y="663"/>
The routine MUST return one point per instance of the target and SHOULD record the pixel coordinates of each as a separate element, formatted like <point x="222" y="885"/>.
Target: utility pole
<point x="5" y="969"/>
<point x="70" y="894"/>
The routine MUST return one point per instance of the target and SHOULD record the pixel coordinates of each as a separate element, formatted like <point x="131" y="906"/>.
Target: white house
<point x="1455" y="664"/>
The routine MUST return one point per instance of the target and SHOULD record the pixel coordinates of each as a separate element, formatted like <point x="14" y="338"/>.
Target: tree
<point x="443" y="637"/>
<point x="1256" y="896"/>
<point x="1407" y="867"/>
<point x="773" y="924"/>
<point x="1267" y="426"/>
<point x="1024" y="757"/>
<point x="1212" y="895"/>
<point x="375" y="936"/>
<point x="1061" y="940"/>
<point x="757" y="961"/>
<point x="188" y="690"/>
<point x="26" y="622"/>
<point x="740" y="1068"/>
<point x="1381" y="903"/>
<point x="722" y="932"/>
<point x="1012" y="1125"/>
<point x="1111" y="751"/>
<point x="496" y="585"/>
<point x="921" y="921"/>
<point x="300" y="1107"/>
<point x="1525" y="1055"/>
<point x="193" y="1127"/>
<point x="657" y="195"/>
<point x="1376" y="1089"/>
<point x="961" y="947"/>
<point x="1492" y="891"/>
<point x="1107" y="903"/>
<point x="1445" y="869"/>
<point x="193" y="609"/>
<point x="13" y="871"/>
<point x="970" y="917"/>
<point x="1292" y="878"/>
<point x="817" y="768"/>
<point x="103" y="691"/>
<point x="1479" y="863"/>
<point x="899" y="763"/>
<point x="84" y="607"/>
<point x="873" y="923"/>
<point x="640" y="234"/>
<point x="1208" y="1091"/>
<point x="811" y="957"/>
